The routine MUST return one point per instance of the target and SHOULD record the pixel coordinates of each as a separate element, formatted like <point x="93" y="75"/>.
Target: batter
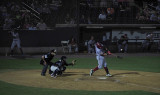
<point x="101" y="60"/>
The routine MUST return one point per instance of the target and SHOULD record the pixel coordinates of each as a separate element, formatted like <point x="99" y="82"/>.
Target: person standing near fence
<point x="91" y="47"/>
<point x="16" y="40"/>
<point x="125" y="43"/>
<point x="147" y="43"/>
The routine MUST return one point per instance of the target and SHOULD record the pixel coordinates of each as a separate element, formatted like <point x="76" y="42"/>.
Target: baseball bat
<point x="114" y="55"/>
<point x="120" y="57"/>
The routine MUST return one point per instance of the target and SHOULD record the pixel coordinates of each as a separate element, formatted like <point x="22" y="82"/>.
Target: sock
<point x="95" y="69"/>
<point x="106" y="69"/>
<point x="11" y="52"/>
<point x="21" y="50"/>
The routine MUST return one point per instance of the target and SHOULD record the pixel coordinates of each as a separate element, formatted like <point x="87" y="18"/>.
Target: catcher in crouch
<point x="59" y="67"/>
<point x="101" y="59"/>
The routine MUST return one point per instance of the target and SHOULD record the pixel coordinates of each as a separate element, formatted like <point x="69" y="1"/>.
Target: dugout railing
<point x="136" y="46"/>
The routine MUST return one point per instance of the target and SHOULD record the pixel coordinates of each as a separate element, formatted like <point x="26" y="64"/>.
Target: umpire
<point x="46" y="60"/>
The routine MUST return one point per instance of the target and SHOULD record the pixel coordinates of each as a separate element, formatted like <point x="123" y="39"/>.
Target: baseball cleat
<point x="91" y="72"/>
<point x="43" y="75"/>
<point x="108" y="75"/>
<point x="53" y="76"/>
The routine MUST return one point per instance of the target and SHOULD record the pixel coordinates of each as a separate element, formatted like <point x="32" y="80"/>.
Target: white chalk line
<point x="118" y="81"/>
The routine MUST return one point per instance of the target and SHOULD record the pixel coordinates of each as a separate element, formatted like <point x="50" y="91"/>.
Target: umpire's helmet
<point x="54" y="50"/>
<point x="63" y="58"/>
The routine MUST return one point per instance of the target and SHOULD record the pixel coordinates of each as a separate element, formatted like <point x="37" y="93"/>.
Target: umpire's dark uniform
<point x="46" y="60"/>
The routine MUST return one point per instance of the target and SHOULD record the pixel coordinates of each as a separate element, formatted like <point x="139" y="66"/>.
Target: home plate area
<point x="79" y="79"/>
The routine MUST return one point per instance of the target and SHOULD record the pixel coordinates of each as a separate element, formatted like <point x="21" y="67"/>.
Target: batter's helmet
<point x="99" y="45"/>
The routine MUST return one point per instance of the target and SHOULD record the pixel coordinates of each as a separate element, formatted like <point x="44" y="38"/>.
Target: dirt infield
<point x="79" y="79"/>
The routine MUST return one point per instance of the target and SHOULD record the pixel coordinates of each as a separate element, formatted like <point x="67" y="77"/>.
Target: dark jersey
<point x="47" y="57"/>
<point x="61" y="63"/>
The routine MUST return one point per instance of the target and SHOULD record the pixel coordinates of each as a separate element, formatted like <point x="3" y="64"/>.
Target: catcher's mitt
<point x="73" y="62"/>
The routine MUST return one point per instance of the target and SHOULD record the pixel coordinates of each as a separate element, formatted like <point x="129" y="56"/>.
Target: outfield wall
<point x="42" y="41"/>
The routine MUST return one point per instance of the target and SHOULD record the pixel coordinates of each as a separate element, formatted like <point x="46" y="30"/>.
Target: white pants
<point x="14" y="43"/>
<point x="75" y="47"/>
<point x="101" y="62"/>
<point x="53" y="68"/>
<point x="90" y="50"/>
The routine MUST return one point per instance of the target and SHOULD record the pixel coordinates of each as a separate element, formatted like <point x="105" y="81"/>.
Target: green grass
<point x="147" y="64"/>
<point x="11" y="89"/>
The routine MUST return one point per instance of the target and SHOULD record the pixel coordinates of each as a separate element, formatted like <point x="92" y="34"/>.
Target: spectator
<point x="110" y="12"/>
<point x="67" y="19"/>
<point x="26" y="25"/>
<point x="121" y="13"/>
<point x="146" y="12"/>
<point x="41" y="25"/>
<point x="26" y="17"/>
<point x="102" y="17"/>
<point x="18" y="20"/>
<point x="123" y="43"/>
<point x="73" y="45"/>
<point x="46" y="10"/>
<point x="89" y="20"/>
<point x="40" y="8"/>
<point x="153" y="17"/>
<point x="15" y="8"/>
<point x="140" y="16"/>
<point x="4" y="12"/>
<point x="8" y="23"/>
<point x="158" y="8"/>
<point x="32" y="27"/>
<point x="103" y="3"/>
<point x="83" y="20"/>
<point x="90" y="3"/>
<point x="72" y="21"/>
<point x="91" y="43"/>
<point x="146" y="44"/>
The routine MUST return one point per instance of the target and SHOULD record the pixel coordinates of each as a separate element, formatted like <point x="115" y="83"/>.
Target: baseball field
<point x="135" y="74"/>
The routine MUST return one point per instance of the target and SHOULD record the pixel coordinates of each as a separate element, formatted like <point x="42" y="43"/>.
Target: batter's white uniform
<point x="101" y="59"/>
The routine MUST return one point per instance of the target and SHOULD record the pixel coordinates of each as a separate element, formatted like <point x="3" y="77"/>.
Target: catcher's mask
<point x="99" y="45"/>
<point x="54" y="51"/>
<point x="63" y="58"/>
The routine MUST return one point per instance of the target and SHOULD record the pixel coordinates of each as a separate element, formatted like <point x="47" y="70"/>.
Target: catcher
<point x="60" y="66"/>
